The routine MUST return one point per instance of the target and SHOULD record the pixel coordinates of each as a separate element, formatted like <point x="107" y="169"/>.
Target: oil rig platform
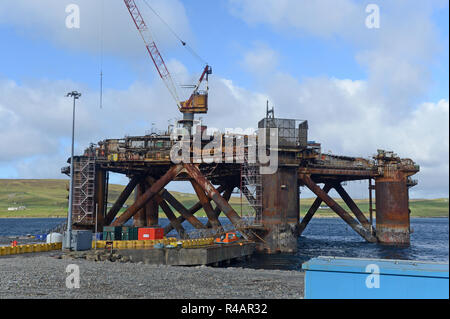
<point x="273" y="198"/>
<point x="235" y="161"/>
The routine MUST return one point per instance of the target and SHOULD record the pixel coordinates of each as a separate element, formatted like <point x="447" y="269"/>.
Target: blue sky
<point x="361" y="89"/>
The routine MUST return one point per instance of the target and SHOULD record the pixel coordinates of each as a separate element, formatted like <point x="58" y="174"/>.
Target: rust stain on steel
<point x="280" y="197"/>
<point x="352" y="205"/>
<point x="392" y="211"/>
<point x="122" y="199"/>
<point x="192" y="211"/>
<point x="100" y="190"/>
<point x="312" y="210"/>
<point x="212" y="193"/>
<point x="149" y="194"/>
<point x="212" y="218"/>
<point x="366" y="234"/>
<point x="152" y="206"/>
<point x="182" y="210"/>
<point x="139" y="220"/>
<point x="172" y="218"/>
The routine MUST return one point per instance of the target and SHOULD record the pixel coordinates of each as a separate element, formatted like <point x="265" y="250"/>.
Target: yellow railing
<point x="145" y="244"/>
<point x="32" y="248"/>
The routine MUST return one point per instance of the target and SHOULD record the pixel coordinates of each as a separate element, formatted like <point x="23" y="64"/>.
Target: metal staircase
<point x="84" y="190"/>
<point x="251" y="188"/>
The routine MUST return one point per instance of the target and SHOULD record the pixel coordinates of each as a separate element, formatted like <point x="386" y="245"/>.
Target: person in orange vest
<point x="14" y="243"/>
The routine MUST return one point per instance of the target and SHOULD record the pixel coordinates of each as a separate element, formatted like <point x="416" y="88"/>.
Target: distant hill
<point x="48" y="198"/>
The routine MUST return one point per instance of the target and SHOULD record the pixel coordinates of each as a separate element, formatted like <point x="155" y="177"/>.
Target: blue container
<point x="98" y="236"/>
<point x="41" y="237"/>
<point x="356" y="278"/>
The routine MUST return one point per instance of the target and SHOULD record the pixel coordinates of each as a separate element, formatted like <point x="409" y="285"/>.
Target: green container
<point x="129" y="233"/>
<point x="112" y="233"/>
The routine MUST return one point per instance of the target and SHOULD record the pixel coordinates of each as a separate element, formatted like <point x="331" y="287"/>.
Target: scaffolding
<point x="84" y="190"/>
<point x="251" y="188"/>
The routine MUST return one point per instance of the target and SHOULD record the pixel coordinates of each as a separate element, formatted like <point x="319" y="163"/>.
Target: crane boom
<point x="152" y="49"/>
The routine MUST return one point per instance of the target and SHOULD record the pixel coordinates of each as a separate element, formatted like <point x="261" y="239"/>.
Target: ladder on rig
<point x="84" y="190"/>
<point x="251" y="188"/>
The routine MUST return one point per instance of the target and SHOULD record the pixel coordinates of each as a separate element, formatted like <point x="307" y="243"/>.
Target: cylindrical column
<point x="139" y="220"/>
<point x="280" y="214"/>
<point x="392" y="215"/>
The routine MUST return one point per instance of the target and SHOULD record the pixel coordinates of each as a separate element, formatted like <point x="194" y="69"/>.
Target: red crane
<point x="198" y="101"/>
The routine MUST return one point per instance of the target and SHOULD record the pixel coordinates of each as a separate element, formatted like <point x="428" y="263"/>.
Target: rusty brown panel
<point x="392" y="211"/>
<point x="352" y="205"/>
<point x="204" y="200"/>
<point x="152" y="206"/>
<point x="182" y="210"/>
<point x="341" y="172"/>
<point x="139" y="220"/>
<point x="195" y="208"/>
<point x="148" y="195"/>
<point x="312" y="210"/>
<point x="280" y="197"/>
<point x="152" y="213"/>
<point x="212" y="193"/>
<point x="337" y="209"/>
<point x="100" y="189"/>
<point x="122" y="199"/>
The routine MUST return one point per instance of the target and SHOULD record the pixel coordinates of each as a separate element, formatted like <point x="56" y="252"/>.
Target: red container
<point x="150" y="233"/>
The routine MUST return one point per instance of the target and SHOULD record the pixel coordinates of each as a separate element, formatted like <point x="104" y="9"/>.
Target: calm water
<point x="322" y="237"/>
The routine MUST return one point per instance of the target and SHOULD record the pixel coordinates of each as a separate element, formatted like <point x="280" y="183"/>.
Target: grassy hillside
<point x="48" y="198"/>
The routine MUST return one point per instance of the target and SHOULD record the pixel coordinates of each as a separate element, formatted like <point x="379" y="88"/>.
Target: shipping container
<point x="150" y="233"/>
<point x="356" y="278"/>
<point x="112" y="233"/>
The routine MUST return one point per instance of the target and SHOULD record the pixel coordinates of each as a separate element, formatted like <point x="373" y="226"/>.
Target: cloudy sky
<point x="361" y="89"/>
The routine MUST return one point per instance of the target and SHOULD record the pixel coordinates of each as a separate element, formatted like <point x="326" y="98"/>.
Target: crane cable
<point x="186" y="45"/>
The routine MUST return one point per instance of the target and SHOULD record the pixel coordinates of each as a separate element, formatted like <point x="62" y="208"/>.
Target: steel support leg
<point x="182" y="210"/>
<point x="312" y="210"/>
<point x="207" y="207"/>
<point x="352" y="205"/>
<point x="337" y="209"/>
<point x="122" y="199"/>
<point x="212" y="193"/>
<point x="148" y="195"/>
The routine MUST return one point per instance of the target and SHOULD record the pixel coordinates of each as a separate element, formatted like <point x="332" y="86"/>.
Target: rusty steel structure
<point x="235" y="162"/>
<point x="146" y="160"/>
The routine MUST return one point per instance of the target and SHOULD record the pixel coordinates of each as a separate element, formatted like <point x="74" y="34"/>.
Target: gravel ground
<point x="44" y="276"/>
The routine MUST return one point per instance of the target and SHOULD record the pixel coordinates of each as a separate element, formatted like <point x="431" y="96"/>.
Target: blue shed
<point x="356" y="278"/>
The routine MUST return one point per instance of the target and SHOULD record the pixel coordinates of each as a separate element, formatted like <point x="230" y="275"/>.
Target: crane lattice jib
<point x="152" y="48"/>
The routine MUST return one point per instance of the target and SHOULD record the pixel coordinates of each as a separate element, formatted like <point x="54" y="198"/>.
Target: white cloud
<point x="45" y="19"/>
<point x="36" y="118"/>
<point x="319" y="18"/>
<point x="260" y="60"/>
<point x="396" y="56"/>
<point x="36" y="121"/>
